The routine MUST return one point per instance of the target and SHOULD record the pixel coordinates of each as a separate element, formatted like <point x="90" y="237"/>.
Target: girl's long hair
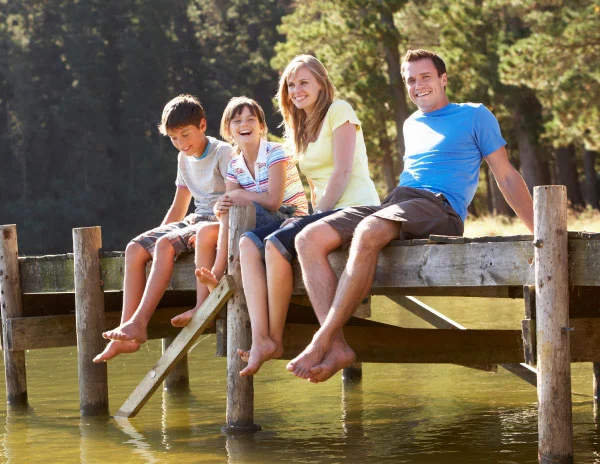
<point x="299" y="127"/>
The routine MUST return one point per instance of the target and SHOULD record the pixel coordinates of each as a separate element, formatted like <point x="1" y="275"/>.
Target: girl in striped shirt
<point x="261" y="174"/>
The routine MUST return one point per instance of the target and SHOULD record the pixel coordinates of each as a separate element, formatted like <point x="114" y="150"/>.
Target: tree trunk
<point x="535" y="170"/>
<point x="389" y="168"/>
<point x="591" y="178"/>
<point x="497" y="205"/>
<point x="391" y="42"/>
<point x="566" y="174"/>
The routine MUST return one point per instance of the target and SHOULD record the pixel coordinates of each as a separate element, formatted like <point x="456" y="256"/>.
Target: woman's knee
<point x="317" y="238"/>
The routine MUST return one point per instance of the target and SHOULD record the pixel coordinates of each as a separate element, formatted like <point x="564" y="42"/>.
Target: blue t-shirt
<point x="444" y="149"/>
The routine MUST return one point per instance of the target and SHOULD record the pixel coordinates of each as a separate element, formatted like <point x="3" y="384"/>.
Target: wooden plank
<point x="389" y="344"/>
<point x="31" y="333"/>
<point x="179" y="348"/>
<point x="440" y="321"/>
<point x="489" y="264"/>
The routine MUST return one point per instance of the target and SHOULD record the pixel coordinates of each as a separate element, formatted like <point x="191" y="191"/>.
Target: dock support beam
<point x="178" y="380"/>
<point x="10" y="300"/>
<point x="240" y="390"/>
<point x="555" y="422"/>
<point x="596" y="385"/>
<point x="89" y="315"/>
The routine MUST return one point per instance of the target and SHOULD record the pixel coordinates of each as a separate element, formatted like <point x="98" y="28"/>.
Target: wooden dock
<point x="52" y="301"/>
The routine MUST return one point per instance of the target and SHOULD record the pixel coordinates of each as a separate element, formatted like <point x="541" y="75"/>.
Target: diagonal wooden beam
<point x="440" y="321"/>
<point x="180" y="346"/>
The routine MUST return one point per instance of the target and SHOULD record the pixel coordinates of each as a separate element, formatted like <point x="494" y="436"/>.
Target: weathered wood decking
<point x="41" y="312"/>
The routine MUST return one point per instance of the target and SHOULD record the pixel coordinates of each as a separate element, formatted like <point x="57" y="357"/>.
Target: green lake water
<point x="398" y="413"/>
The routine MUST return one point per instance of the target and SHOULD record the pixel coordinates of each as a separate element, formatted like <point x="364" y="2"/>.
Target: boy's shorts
<point x="421" y="213"/>
<point x="178" y="233"/>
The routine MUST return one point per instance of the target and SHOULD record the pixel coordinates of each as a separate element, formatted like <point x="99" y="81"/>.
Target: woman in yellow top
<point x="328" y="141"/>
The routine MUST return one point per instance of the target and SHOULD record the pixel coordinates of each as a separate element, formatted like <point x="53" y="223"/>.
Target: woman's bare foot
<point x="128" y="331"/>
<point x="259" y="353"/>
<point x="115" y="348"/>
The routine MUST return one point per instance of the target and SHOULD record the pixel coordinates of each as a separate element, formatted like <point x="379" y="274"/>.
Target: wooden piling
<point x="555" y="423"/>
<point x="178" y="379"/>
<point x="240" y="390"/>
<point x="10" y="301"/>
<point x="89" y="315"/>
<point x="596" y="385"/>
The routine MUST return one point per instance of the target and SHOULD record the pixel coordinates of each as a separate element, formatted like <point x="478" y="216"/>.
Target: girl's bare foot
<point x="128" y="331"/>
<point x="260" y="352"/>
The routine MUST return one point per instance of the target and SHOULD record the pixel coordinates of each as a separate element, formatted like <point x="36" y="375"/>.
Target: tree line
<point x="82" y="85"/>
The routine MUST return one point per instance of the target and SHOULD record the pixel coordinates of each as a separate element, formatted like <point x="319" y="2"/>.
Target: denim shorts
<point x="283" y="238"/>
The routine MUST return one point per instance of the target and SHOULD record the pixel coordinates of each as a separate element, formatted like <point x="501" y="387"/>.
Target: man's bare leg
<point x="254" y="279"/>
<point x="135" y="329"/>
<point x="322" y="357"/>
<point x="313" y="244"/>
<point x="134" y="283"/>
<point x="204" y="258"/>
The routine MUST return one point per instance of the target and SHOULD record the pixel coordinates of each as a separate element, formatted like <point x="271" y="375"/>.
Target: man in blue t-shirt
<point x="445" y="143"/>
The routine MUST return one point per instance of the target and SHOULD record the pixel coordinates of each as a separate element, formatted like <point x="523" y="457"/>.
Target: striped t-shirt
<point x="270" y="153"/>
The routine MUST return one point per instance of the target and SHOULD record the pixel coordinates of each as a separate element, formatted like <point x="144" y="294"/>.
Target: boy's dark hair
<point x="420" y="54"/>
<point x="183" y="110"/>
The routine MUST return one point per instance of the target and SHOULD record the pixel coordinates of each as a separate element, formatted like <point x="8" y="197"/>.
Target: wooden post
<point x="89" y="315"/>
<point x="10" y="301"/>
<point x="240" y="390"/>
<point x="596" y="367"/>
<point x="178" y="380"/>
<point x="352" y="373"/>
<point x="555" y="422"/>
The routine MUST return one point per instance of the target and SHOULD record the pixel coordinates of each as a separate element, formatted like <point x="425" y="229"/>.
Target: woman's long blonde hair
<point x="300" y="127"/>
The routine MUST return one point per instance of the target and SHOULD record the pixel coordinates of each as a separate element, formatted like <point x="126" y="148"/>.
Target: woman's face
<point x="303" y="89"/>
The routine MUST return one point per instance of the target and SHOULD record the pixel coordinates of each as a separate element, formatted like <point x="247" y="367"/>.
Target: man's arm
<point x="512" y="186"/>
<point x="179" y="207"/>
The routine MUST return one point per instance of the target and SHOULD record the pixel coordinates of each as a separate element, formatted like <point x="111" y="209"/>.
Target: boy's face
<point x="425" y="87"/>
<point x="190" y="139"/>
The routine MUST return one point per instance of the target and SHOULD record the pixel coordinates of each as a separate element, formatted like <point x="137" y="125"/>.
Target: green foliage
<point x="560" y="60"/>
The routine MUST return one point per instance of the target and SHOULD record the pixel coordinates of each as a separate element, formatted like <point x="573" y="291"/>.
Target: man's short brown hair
<point x="183" y="110"/>
<point x="420" y="54"/>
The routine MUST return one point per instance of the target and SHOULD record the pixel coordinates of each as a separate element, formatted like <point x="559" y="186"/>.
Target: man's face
<point x="425" y="87"/>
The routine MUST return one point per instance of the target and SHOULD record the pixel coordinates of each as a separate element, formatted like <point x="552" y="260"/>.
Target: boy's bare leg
<point x="135" y="329"/>
<point x="322" y="357"/>
<point x="204" y="257"/>
<point x="134" y="282"/>
<point x="314" y="244"/>
<point x="254" y="279"/>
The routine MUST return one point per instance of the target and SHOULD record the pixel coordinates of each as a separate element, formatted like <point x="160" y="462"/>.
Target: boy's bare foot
<point x="128" y="331"/>
<point x="259" y="353"/>
<point x="115" y="348"/>
<point x="338" y="357"/>
<point x="183" y="319"/>
<point x="206" y="277"/>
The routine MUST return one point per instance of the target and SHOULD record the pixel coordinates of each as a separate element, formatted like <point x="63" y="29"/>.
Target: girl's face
<point x="245" y="128"/>
<point x="303" y="89"/>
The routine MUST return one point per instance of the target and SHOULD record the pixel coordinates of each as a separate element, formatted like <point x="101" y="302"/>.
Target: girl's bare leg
<point x="206" y="240"/>
<point x="254" y="279"/>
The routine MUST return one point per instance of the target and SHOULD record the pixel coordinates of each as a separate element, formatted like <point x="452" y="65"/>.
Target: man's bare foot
<point x="338" y="357"/>
<point x="115" y="348"/>
<point x="206" y="277"/>
<point x="312" y="356"/>
<point x="259" y="353"/>
<point x="128" y="331"/>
